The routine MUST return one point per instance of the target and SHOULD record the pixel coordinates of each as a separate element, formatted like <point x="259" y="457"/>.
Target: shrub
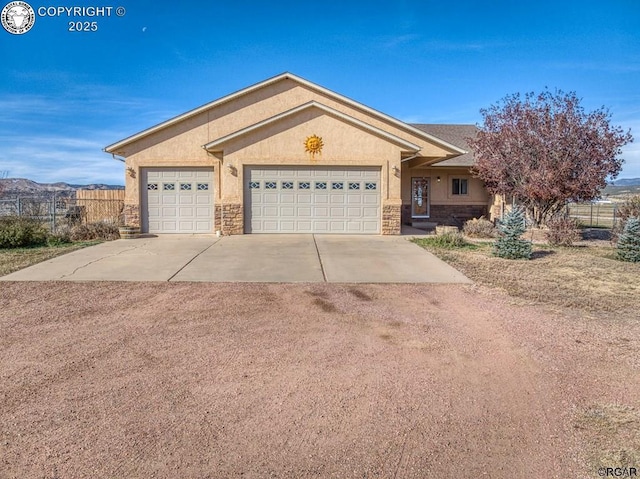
<point x="563" y="231"/>
<point x="61" y="236"/>
<point x="16" y="232"/>
<point x="511" y="228"/>
<point x="629" y="208"/>
<point x="448" y="240"/>
<point x="628" y="247"/>
<point x="94" y="231"/>
<point x="479" y="228"/>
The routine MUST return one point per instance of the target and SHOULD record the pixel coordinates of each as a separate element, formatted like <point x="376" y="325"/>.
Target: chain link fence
<point x="63" y="209"/>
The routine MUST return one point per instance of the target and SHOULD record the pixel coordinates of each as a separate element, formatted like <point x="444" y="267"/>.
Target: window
<point x="459" y="186"/>
<point x="203" y="186"/>
<point x="185" y="186"/>
<point x="168" y="187"/>
<point x="287" y="185"/>
<point x="370" y="186"/>
<point x="304" y="185"/>
<point x="254" y="185"/>
<point x="270" y="185"/>
<point x="336" y="185"/>
<point x="354" y="186"/>
<point x="152" y="186"/>
<point x="321" y="185"/>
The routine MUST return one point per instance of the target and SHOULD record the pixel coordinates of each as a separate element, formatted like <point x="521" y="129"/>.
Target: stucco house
<point x="289" y="156"/>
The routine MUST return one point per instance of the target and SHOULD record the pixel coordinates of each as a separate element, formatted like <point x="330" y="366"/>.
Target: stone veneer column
<point x="391" y="224"/>
<point x="233" y="219"/>
<point x="131" y="215"/>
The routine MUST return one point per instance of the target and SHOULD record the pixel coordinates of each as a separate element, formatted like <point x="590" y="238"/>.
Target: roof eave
<point x="410" y="147"/>
<point x="405" y="126"/>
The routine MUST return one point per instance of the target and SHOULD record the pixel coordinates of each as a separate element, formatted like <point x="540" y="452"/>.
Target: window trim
<point x="452" y="193"/>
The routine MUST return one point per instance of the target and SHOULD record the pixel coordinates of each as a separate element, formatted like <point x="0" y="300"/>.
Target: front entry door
<point x="419" y="197"/>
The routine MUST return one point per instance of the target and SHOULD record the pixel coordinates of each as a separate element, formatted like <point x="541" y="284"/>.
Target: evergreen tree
<point x="629" y="241"/>
<point x="509" y="245"/>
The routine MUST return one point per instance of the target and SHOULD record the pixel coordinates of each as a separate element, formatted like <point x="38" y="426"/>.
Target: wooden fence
<point x="101" y="205"/>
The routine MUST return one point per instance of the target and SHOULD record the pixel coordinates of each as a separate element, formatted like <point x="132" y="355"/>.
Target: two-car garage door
<point x="312" y="200"/>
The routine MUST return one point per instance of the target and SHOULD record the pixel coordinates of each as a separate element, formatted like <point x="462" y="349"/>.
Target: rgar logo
<point x="18" y="17"/>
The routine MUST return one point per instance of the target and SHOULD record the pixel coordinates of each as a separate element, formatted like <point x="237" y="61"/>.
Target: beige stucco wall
<point x="283" y="144"/>
<point x="189" y="135"/>
<point x="440" y="193"/>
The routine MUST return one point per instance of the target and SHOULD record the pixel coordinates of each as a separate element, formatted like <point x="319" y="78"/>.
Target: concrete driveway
<point x="249" y="258"/>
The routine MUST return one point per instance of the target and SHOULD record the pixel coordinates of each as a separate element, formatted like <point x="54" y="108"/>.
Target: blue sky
<point x="66" y="95"/>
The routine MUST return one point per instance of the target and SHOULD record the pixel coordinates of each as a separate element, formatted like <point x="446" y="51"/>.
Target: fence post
<point x="591" y="214"/>
<point x="55" y="206"/>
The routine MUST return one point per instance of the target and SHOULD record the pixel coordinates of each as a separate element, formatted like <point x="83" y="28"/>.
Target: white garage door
<point x="177" y="200"/>
<point x="312" y="200"/>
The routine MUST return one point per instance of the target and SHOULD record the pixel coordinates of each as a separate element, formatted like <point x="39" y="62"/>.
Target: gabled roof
<point x="284" y="76"/>
<point x="211" y="146"/>
<point x="456" y="135"/>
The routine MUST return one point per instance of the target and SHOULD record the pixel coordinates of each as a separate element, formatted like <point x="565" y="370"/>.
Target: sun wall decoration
<point x="313" y="145"/>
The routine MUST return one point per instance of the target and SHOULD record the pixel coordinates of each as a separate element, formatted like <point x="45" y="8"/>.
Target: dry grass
<point x="588" y="278"/>
<point x="611" y="425"/>
<point x="14" y="259"/>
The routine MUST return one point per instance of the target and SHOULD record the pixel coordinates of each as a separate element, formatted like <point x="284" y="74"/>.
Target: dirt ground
<point x="155" y="380"/>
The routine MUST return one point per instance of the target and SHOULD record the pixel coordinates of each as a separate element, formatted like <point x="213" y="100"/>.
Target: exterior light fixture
<point x="438" y="179"/>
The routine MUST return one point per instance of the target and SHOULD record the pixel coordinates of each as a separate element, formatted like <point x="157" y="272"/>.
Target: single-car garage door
<point x="312" y="200"/>
<point x="177" y="200"/>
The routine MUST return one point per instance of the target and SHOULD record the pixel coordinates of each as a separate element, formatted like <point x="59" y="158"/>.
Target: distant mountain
<point x="626" y="182"/>
<point x="22" y="185"/>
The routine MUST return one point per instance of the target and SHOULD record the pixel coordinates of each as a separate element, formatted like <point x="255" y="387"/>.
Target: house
<point x="289" y="156"/>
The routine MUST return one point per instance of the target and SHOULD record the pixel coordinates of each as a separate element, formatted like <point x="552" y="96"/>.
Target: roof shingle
<point x="454" y="134"/>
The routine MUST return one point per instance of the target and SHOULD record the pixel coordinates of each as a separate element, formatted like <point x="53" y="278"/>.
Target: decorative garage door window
<point x="185" y="186"/>
<point x="312" y="199"/>
<point x="152" y="186"/>
<point x="203" y="186"/>
<point x="254" y="185"/>
<point x="169" y="186"/>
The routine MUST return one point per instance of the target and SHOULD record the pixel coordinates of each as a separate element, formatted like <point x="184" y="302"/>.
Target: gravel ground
<point x="142" y="380"/>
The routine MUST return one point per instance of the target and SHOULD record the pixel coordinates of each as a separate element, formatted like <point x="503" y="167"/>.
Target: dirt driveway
<point x="140" y="380"/>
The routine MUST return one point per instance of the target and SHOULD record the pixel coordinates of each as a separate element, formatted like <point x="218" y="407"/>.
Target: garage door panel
<point x="370" y="212"/>
<point x="177" y="200"/>
<point x="312" y="199"/>
<point x="287" y="211"/>
<point x="270" y="211"/>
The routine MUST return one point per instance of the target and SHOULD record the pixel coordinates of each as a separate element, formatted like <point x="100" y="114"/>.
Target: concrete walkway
<point x="249" y="258"/>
